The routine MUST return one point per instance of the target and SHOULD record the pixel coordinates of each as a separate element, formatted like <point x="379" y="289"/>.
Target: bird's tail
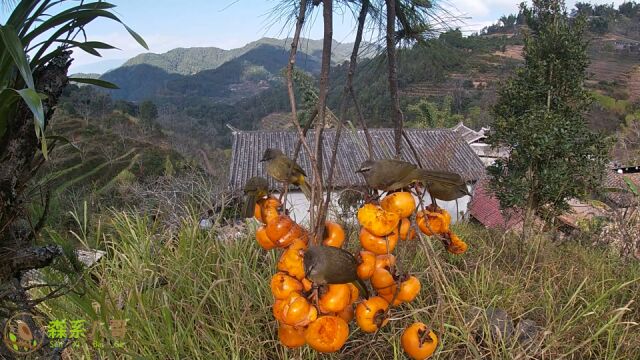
<point x="441" y="177"/>
<point x="362" y="287"/>
<point x="249" y="206"/>
<point x="304" y="186"/>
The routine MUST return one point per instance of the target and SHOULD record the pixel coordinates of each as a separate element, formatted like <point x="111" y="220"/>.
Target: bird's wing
<point x="442" y="177"/>
<point x="295" y="168"/>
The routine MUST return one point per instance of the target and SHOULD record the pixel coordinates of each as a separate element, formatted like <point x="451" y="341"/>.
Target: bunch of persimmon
<point x="322" y="324"/>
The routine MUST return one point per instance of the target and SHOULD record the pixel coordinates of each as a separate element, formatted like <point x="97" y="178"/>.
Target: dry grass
<point x="217" y="303"/>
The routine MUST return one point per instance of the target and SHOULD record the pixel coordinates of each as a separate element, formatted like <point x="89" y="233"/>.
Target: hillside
<point x="190" y="61"/>
<point x="212" y="73"/>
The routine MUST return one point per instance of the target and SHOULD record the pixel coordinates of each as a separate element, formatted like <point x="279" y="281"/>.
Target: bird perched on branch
<point x="325" y="265"/>
<point x="256" y="188"/>
<point x="285" y="170"/>
<point x="391" y="175"/>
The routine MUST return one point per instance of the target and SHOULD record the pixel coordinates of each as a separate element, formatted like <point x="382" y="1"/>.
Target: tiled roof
<point x="438" y="149"/>
<point x="621" y="198"/>
<point x="467" y="134"/>
<point x="485" y="208"/>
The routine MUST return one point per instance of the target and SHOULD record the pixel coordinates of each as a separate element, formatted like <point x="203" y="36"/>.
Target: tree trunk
<point x="396" y="113"/>
<point x="316" y="195"/>
<point x="18" y="149"/>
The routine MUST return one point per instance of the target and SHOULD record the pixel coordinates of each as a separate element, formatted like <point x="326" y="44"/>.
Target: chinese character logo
<point x="23" y="334"/>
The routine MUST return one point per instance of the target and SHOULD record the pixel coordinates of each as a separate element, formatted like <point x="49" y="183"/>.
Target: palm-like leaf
<point x="31" y="21"/>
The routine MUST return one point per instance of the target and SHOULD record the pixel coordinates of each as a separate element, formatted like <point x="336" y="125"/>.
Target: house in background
<point x="438" y="149"/>
<point x="475" y="139"/>
<point x="621" y="198"/>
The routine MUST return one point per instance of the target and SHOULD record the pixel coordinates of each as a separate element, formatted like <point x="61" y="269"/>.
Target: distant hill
<point x="212" y="73"/>
<point x="190" y="61"/>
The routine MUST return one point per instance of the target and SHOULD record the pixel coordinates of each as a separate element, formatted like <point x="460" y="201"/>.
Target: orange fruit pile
<point x="324" y="324"/>
<point x="324" y="327"/>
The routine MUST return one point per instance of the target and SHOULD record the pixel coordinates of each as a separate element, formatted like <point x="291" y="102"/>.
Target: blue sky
<point x="167" y="24"/>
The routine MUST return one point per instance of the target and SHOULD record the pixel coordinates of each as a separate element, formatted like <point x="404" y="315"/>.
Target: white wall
<point x="298" y="206"/>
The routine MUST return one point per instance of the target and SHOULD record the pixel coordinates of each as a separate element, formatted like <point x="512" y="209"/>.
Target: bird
<point x="285" y="170"/>
<point x="255" y="188"/>
<point x="325" y="265"/>
<point x="392" y="175"/>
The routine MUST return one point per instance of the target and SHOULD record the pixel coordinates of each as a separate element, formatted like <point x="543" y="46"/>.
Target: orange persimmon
<point x="291" y="336"/>
<point x="382" y="280"/>
<point x="367" y="264"/>
<point x="376" y="220"/>
<point x="327" y="334"/>
<point x="401" y="203"/>
<point x="296" y="232"/>
<point x="333" y="234"/>
<point x="433" y="222"/>
<point x="291" y="260"/>
<point x="418" y="341"/>
<point x="407" y="232"/>
<point x="347" y="314"/>
<point x="282" y="285"/>
<point x="456" y="245"/>
<point x="407" y="291"/>
<point x="297" y="311"/>
<point x="263" y="240"/>
<point x="378" y="244"/>
<point x="371" y="314"/>
<point x="354" y="293"/>
<point x="385" y="261"/>
<point x="269" y="209"/>
<point x="279" y="227"/>
<point x="307" y="285"/>
<point x="335" y="299"/>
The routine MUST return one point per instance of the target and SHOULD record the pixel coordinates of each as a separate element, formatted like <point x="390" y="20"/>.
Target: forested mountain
<point x="189" y="61"/>
<point x="212" y="73"/>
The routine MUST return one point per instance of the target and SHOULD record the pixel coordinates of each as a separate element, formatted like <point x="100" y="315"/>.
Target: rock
<point x="497" y="320"/>
<point x="527" y="331"/>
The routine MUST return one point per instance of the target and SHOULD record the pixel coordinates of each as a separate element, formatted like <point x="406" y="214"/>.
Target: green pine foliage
<point x="539" y="117"/>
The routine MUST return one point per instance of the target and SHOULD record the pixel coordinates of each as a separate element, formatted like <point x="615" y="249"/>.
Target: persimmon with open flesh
<point x="385" y="261"/>
<point x="333" y="234"/>
<point x="433" y="222"/>
<point x="296" y="232"/>
<point x="297" y="311"/>
<point x="378" y="244"/>
<point x="327" y="334"/>
<point x="456" y="245"/>
<point x="376" y="220"/>
<point x="347" y="314"/>
<point x="291" y="261"/>
<point x="401" y="203"/>
<point x="371" y="314"/>
<point x="367" y="264"/>
<point x="291" y="336"/>
<point x="279" y="227"/>
<point x="269" y="209"/>
<point x="335" y="299"/>
<point x="282" y="285"/>
<point x="418" y="341"/>
<point x="263" y="240"/>
<point x="407" y="232"/>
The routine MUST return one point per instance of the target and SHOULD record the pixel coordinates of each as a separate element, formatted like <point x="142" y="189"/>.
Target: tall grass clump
<point x="194" y="294"/>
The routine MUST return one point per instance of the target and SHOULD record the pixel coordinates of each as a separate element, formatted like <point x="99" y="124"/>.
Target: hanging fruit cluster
<point x="324" y="324"/>
<point x="324" y="327"/>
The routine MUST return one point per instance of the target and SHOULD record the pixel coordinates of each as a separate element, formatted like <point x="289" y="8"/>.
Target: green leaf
<point x="34" y="102"/>
<point x="138" y="38"/>
<point x="14" y="46"/>
<point x="96" y="82"/>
